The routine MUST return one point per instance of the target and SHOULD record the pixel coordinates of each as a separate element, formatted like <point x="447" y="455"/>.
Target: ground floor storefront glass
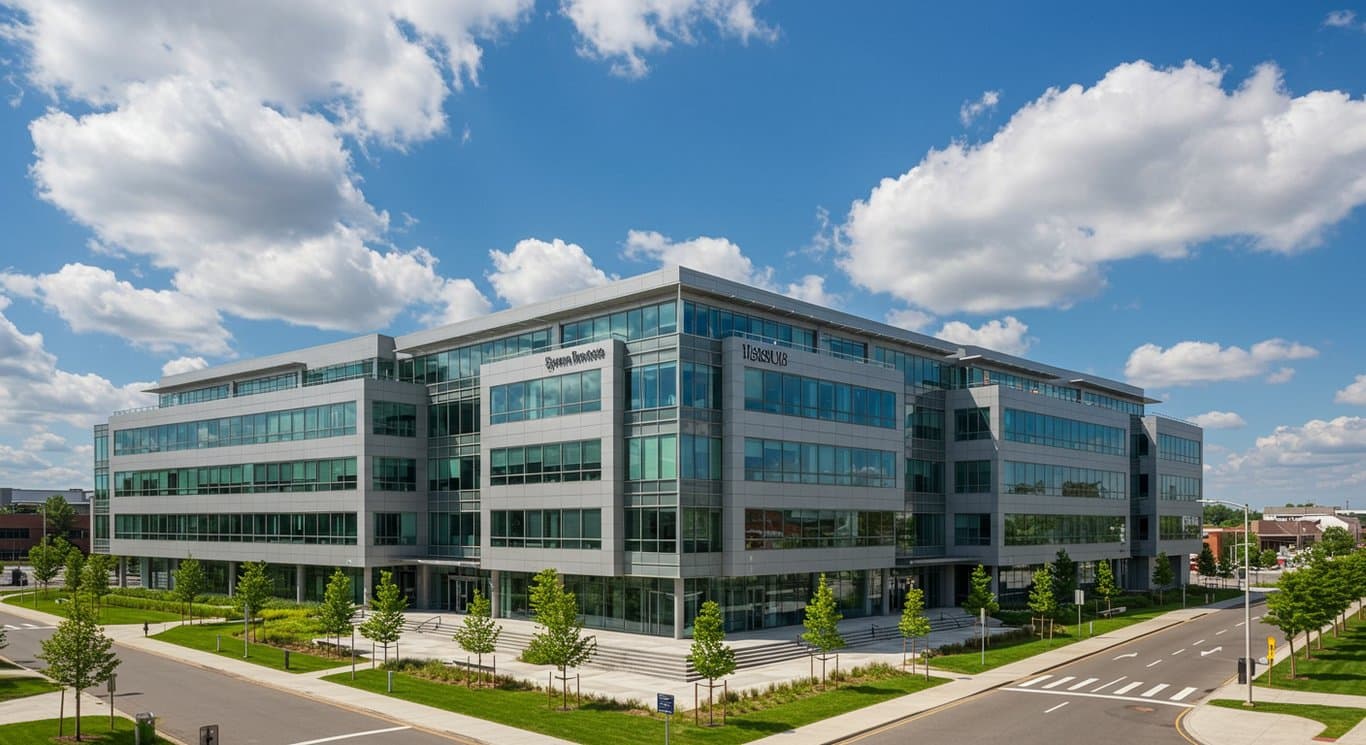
<point x="750" y="603"/>
<point x="638" y="605"/>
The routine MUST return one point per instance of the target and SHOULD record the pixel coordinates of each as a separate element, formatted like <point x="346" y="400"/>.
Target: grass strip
<point x="1336" y="720"/>
<point x="1340" y="667"/>
<point x="93" y="729"/>
<point x="602" y="723"/>
<point x="56" y="602"/>
<point x="204" y="637"/>
<point x="1003" y="653"/>
<point x="12" y="688"/>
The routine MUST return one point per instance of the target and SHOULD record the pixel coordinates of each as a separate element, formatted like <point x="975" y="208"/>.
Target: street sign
<point x="1078" y="597"/>
<point x="208" y="734"/>
<point x="664" y="702"/>
<point x="1270" y="649"/>
<point x="111" y="683"/>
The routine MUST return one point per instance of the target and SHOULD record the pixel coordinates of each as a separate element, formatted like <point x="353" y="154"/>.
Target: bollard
<point x="218" y="643"/>
<point x="286" y="659"/>
<point x="391" y="681"/>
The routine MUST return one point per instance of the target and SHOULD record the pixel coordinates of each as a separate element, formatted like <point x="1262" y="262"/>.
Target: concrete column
<point x="424" y="586"/>
<point x="995" y="580"/>
<point x="123" y="571"/>
<point x="494" y="595"/>
<point x="172" y="565"/>
<point x="679" y="611"/>
<point x="299" y="583"/>
<point x="886" y="591"/>
<point x="232" y="578"/>
<point x="367" y="579"/>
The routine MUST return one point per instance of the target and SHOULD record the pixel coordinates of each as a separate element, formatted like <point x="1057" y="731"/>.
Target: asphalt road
<point x="183" y="697"/>
<point x="1128" y="694"/>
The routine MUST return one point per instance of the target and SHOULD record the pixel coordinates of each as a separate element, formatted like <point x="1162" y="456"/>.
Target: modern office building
<point x="661" y="440"/>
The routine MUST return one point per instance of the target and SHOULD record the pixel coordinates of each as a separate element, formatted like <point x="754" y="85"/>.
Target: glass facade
<point x="381" y="369"/>
<point x="972" y="424"/>
<point x="546" y="529"/>
<point x="779" y="529"/>
<point x="1040" y="429"/>
<point x="324" y="528"/>
<point x="453" y="529"/>
<point x="1039" y="530"/>
<point x="919" y="372"/>
<point x="972" y="477"/>
<point x="652" y="458"/>
<point x="560" y="395"/>
<point x="972" y="377"/>
<point x="652" y="529"/>
<point x="1178" y="488"/>
<point x="267" y="384"/>
<point x="580" y="460"/>
<point x="393" y="474"/>
<point x="794" y="395"/>
<point x="701" y="530"/>
<point x="925" y="476"/>
<point x="196" y="395"/>
<point x="463" y="363"/>
<point x="393" y="419"/>
<point x="972" y="529"/>
<point x="718" y="323"/>
<point x="453" y="418"/>
<point x="701" y="385"/>
<point x="453" y="474"/>
<point x="627" y="325"/>
<point x="395" y="528"/>
<point x="1063" y="481"/>
<point x="310" y="423"/>
<point x="924" y="424"/>
<point x="332" y="474"/>
<point x="1178" y="527"/>
<point x="699" y="457"/>
<point x="845" y="348"/>
<point x="652" y="386"/>
<point x="1179" y="449"/>
<point x="809" y="463"/>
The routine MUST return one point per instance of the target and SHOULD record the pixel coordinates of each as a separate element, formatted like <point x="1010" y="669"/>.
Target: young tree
<point x="79" y="655"/>
<point x="822" y="623"/>
<point x="254" y="587"/>
<point x="1206" y="565"/>
<point x="1105" y="583"/>
<point x="913" y="623"/>
<point x="59" y="515"/>
<point x="73" y="564"/>
<point x="46" y="559"/>
<point x="385" y="624"/>
<point x="1269" y="559"/>
<point x="1287" y="609"/>
<point x="190" y="583"/>
<point x="559" y="641"/>
<point x="1226" y="567"/>
<point x="337" y="608"/>
<point x="1042" y="602"/>
<point x="1064" y="578"/>
<point x="1162" y="574"/>
<point x="980" y="596"/>
<point x="710" y="656"/>
<point x="95" y="577"/>
<point x="478" y="634"/>
<point x="1336" y="541"/>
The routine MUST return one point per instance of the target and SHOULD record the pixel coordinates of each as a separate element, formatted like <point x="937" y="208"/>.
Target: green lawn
<point x="55" y="602"/>
<point x="1004" y="653"/>
<point x="601" y="725"/>
<point x="1340" y="667"/>
<point x="93" y="729"/>
<point x="12" y="688"/>
<point x="1337" y="720"/>
<point x="203" y="637"/>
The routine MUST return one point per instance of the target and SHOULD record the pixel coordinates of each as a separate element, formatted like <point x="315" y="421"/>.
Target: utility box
<point x="1245" y="669"/>
<point x="144" y="728"/>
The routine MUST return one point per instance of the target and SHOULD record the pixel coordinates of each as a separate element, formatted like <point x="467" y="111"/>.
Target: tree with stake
<point x="337" y="608"/>
<point x="980" y="596"/>
<point x="254" y="587"/>
<point x="190" y="583"/>
<point x="1064" y="578"/>
<point x="385" y="624"/>
<point x="95" y="578"/>
<point x="1206" y="564"/>
<point x="1286" y="609"/>
<point x="478" y="634"/>
<point x="46" y="559"/>
<point x="822" y="623"/>
<point x="1105" y="583"/>
<point x="79" y="655"/>
<point x="1042" y="602"/>
<point x="73" y="563"/>
<point x="913" y="623"/>
<point x="1226" y="564"/>
<point x="559" y="641"/>
<point x="1162" y="574"/>
<point x="710" y="656"/>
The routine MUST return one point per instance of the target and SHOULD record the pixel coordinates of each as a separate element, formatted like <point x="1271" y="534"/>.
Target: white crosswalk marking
<point x="1125" y="689"/>
<point x="1039" y="679"/>
<point x="1184" y="693"/>
<point x="1179" y="651"/>
<point x="1154" y="690"/>
<point x="11" y="627"/>
<point x="1082" y="684"/>
<point x="1107" y="685"/>
<point x="1060" y="681"/>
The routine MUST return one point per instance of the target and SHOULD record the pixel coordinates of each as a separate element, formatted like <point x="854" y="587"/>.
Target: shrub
<point x="200" y="610"/>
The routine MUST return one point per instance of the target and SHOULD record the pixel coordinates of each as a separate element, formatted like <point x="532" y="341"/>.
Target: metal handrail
<point x="419" y="628"/>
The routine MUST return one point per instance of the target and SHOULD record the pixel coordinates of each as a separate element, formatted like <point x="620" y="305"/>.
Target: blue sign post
<point x="664" y="703"/>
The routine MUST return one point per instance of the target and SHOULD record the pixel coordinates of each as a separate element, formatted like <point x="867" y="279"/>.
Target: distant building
<point x="21" y="522"/>
<point x="78" y="498"/>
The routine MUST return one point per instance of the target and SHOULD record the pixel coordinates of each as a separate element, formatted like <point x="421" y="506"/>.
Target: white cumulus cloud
<point x="717" y="256"/>
<point x="536" y="270"/>
<point x="1354" y="393"/>
<point x="909" y="318"/>
<point x="183" y="365"/>
<point x="1219" y="420"/>
<point x="1191" y="362"/>
<point x="1146" y="161"/>
<point x="625" y="31"/>
<point x="1343" y="19"/>
<point x="811" y="288"/>
<point x="1323" y="457"/>
<point x="1008" y="335"/>
<point x="970" y="110"/>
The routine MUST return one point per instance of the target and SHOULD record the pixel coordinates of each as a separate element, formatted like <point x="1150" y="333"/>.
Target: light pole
<point x="1247" y="593"/>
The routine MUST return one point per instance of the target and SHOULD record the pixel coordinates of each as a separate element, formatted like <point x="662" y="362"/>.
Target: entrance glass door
<point x="462" y="593"/>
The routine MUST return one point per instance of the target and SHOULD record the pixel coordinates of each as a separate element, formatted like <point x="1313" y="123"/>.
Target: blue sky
<point x="1166" y="194"/>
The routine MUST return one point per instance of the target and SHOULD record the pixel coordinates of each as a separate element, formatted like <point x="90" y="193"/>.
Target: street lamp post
<point x="1247" y="592"/>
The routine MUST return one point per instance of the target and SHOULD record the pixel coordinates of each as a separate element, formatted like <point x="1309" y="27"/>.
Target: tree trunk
<point x="564" y="681"/>
<point x="711" y="718"/>
<point x="1290" y="639"/>
<point x="78" y="715"/>
<point x="61" y="713"/>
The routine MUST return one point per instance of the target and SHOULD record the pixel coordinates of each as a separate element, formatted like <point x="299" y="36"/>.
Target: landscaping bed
<point x="1337" y="720"/>
<point x="206" y="638"/>
<point x="1340" y="667"/>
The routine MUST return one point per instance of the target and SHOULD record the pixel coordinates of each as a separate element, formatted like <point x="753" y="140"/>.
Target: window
<point x="1178" y="488"/>
<point x="717" y="323"/>
<point x="395" y="528"/>
<point x="560" y="395"/>
<point x="320" y="528"/>
<point x="627" y="325"/>
<point x="809" y="463"/>
<point x="267" y="384"/>
<point x="972" y="424"/>
<point x="653" y="458"/>
<point x="397" y="420"/>
<point x="1035" y="530"/>
<point x="701" y="530"/>
<point x="1041" y="429"/>
<point x="845" y="348"/>
<point x="699" y="457"/>
<point x="794" y="395"/>
<point x="925" y="424"/>
<point x="1063" y="481"/>
<point x="972" y="529"/>
<point x="701" y="385"/>
<point x="580" y="460"/>
<point x="379" y="368"/>
<point x="195" y="396"/>
<point x="972" y="477"/>
<point x="652" y="386"/>
<point x="1179" y="449"/>
<point x="248" y="478"/>
<point x="780" y="529"/>
<point x="393" y="474"/>
<point x="315" y="422"/>
<point x="924" y="476"/>
<point x="652" y="529"/>
<point x="574" y="529"/>
<point x="453" y="474"/>
<point x="1178" y="527"/>
<point x="919" y="372"/>
<point x="463" y="363"/>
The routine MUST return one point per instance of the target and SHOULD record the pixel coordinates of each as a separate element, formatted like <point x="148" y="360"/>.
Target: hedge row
<point x="200" y="610"/>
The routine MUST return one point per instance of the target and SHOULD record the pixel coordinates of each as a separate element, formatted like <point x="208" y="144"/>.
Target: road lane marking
<point x="1211" y="651"/>
<point x="1131" y="654"/>
<point x="1082" y="684"/>
<point x="1107" y="685"/>
<point x="1154" y="662"/>
<point x="1154" y="690"/>
<point x="1202" y="641"/>
<point x="1236" y="625"/>
<point x="1179" y="651"/>
<point x="1039" y="679"/>
<point x="1059" y="706"/>
<point x="1106" y="696"/>
<point x="1060" y="681"/>
<point x="1125" y="689"/>
<point x="1184" y="693"/>
<point x="353" y="734"/>
<point x="1220" y="631"/>
<point x="1256" y="618"/>
<point x="9" y="627"/>
<point x="32" y="626"/>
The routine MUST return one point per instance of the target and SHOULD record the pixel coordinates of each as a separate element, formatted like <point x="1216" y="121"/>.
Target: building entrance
<point x="462" y="592"/>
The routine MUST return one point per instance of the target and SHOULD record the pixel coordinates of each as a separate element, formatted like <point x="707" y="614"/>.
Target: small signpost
<point x="1270" y="657"/>
<point x="984" y="637"/>
<point x="112" y="676"/>
<point x="664" y="703"/>
<point x="208" y="734"/>
<point x="1078" y="598"/>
